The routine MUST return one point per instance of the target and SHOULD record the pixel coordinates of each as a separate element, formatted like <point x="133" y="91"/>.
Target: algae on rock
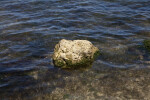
<point x="74" y="54"/>
<point x="147" y="44"/>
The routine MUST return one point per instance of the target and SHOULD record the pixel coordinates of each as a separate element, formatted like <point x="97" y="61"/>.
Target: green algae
<point x="66" y="96"/>
<point x="69" y="64"/>
<point x="83" y="63"/>
<point x="146" y="44"/>
<point x="96" y="54"/>
<point x="59" y="63"/>
<point x="86" y="62"/>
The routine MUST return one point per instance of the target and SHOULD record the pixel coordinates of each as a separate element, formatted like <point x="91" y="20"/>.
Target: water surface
<point x="29" y="30"/>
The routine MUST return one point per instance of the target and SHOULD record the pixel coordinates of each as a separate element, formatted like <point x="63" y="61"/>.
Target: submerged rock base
<point x="74" y="54"/>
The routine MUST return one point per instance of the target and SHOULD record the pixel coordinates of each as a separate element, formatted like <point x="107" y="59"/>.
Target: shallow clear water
<point x="29" y="30"/>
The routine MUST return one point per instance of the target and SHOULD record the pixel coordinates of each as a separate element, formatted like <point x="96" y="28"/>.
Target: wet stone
<point x="74" y="54"/>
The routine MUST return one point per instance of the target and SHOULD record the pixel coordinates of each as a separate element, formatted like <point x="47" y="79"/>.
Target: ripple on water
<point x="29" y="31"/>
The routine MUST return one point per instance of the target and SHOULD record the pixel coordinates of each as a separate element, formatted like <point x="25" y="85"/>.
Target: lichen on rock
<point x="74" y="53"/>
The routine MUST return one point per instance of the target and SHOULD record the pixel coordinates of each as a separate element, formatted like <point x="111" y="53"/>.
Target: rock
<point x="147" y="44"/>
<point x="74" y="54"/>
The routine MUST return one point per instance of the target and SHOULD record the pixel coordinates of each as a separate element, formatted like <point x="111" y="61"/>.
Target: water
<point x="29" y="30"/>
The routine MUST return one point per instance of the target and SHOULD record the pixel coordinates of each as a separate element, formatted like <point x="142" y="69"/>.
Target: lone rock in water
<point x="74" y="54"/>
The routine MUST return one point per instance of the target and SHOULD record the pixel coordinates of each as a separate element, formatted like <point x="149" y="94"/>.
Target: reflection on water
<point x="29" y="31"/>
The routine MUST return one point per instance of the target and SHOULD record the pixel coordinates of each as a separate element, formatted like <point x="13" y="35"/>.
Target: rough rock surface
<point x="76" y="53"/>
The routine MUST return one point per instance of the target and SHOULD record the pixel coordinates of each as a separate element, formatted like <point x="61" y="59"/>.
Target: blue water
<point x="29" y="30"/>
